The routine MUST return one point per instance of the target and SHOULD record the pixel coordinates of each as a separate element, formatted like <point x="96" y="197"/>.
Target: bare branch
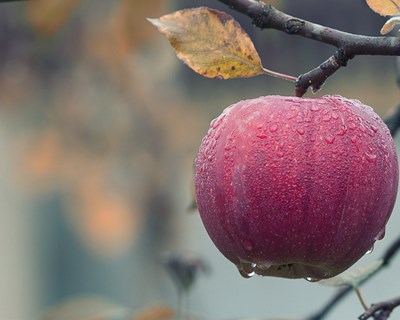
<point x="316" y="77"/>
<point x="380" y="311"/>
<point x="344" y="291"/>
<point x="349" y="45"/>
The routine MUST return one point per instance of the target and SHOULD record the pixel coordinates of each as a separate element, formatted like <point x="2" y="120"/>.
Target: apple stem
<point x="361" y="297"/>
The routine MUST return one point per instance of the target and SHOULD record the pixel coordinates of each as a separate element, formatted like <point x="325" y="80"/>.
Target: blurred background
<point x="99" y="127"/>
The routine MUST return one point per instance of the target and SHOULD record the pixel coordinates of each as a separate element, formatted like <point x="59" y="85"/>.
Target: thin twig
<point x="342" y="292"/>
<point x="348" y="45"/>
<point x="380" y="311"/>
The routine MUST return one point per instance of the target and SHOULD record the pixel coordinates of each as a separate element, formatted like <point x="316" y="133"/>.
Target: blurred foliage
<point x="47" y="17"/>
<point x="86" y="308"/>
<point x="97" y="117"/>
<point x="155" y="313"/>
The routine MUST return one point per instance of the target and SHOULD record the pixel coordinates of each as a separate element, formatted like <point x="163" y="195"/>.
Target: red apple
<point x="294" y="187"/>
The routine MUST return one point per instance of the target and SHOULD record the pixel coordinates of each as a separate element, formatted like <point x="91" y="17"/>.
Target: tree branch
<point x="380" y="311"/>
<point x="348" y="45"/>
<point x="344" y="291"/>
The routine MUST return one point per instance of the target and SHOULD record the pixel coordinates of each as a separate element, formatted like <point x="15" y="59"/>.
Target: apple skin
<point x="296" y="187"/>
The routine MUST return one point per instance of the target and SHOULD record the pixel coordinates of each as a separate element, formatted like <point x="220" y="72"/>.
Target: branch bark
<point x="380" y="311"/>
<point x="341" y="293"/>
<point x="348" y="45"/>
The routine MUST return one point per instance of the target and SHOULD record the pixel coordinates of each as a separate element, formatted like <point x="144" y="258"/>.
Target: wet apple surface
<point x="296" y="187"/>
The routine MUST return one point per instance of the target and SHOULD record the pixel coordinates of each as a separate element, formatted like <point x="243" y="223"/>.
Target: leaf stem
<point x="280" y="75"/>
<point x="348" y="45"/>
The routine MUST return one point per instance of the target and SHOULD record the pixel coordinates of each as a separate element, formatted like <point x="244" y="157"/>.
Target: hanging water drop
<point x="370" y="250"/>
<point x="381" y="234"/>
<point x="246" y="275"/>
<point x="309" y="279"/>
<point x="247" y="270"/>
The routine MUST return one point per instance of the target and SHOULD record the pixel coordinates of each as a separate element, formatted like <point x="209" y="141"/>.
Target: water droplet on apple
<point x="212" y="123"/>
<point x="246" y="269"/>
<point x="370" y="250"/>
<point x="362" y="128"/>
<point x="352" y="126"/>
<point x="309" y="279"/>
<point x="315" y="107"/>
<point x="353" y="139"/>
<point x="326" y="117"/>
<point x="374" y="129"/>
<point x="273" y="128"/>
<point x="246" y="275"/>
<point x="329" y="139"/>
<point x="219" y="121"/>
<point x="381" y="234"/>
<point x="342" y="131"/>
<point x="335" y="115"/>
<point x="248" y="245"/>
<point x="371" y="158"/>
<point x="300" y="131"/>
<point x="280" y="154"/>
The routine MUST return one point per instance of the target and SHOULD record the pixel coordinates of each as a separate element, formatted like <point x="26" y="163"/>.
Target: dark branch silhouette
<point x="348" y="45"/>
<point x="341" y="293"/>
<point x="380" y="311"/>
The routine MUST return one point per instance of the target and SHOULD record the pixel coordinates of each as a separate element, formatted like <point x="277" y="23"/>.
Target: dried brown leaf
<point x="211" y="42"/>
<point x="385" y="7"/>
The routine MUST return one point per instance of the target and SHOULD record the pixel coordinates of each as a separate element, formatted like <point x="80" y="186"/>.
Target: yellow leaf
<point x="385" y="7"/>
<point x="390" y="25"/>
<point x="211" y="42"/>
